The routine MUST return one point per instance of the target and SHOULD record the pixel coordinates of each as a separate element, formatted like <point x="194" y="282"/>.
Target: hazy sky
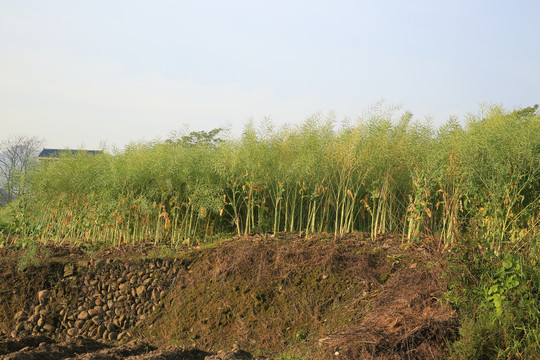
<point x="79" y="73"/>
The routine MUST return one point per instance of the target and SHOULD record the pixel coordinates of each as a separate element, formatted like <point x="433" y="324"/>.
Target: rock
<point x="113" y="336"/>
<point x="72" y="332"/>
<point x="141" y="290"/>
<point x="101" y="330"/>
<point x="99" y="263"/>
<point x="123" y="287"/>
<point x="91" y="313"/>
<point x="83" y="315"/>
<point x="43" y="295"/>
<point x="19" y="315"/>
<point x="19" y="327"/>
<point x="40" y="322"/>
<point x="69" y="270"/>
<point x="49" y="328"/>
<point x="87" y="325"/>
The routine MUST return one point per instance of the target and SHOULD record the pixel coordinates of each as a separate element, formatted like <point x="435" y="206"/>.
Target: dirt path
<point x="44" y="348"/>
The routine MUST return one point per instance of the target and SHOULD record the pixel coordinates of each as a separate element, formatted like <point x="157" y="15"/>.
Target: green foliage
<point x="476" y="186"/>
<point x="5" y="220"/>
<point x="499" y="302"/>
<point x="386" y="173"/>
<point x="31" y="254"/>
<point x="209" y="138"/>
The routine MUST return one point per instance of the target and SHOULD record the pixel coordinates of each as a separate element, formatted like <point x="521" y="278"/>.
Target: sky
<point x="101" y="74"/>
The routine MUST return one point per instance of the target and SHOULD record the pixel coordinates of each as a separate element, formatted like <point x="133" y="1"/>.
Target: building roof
<point x="55" y="153"/>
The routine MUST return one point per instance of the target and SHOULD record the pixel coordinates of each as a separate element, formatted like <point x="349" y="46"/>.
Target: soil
<point x="260" y="296"/>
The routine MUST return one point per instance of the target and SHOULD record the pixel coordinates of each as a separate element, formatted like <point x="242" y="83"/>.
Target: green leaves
<point x="386" y="172"/>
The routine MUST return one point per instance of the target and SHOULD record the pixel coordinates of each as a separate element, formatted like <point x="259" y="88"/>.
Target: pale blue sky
<point x="79" y="73"/>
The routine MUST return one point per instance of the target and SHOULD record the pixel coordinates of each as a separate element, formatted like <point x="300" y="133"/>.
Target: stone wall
<point x="102" y="299"/>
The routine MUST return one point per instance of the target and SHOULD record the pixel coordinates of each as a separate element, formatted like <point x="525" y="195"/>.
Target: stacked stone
<point x="102" y="300"/>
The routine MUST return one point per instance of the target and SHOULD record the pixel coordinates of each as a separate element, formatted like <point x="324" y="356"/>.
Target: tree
<point x="197" y="137"/>
<point x="17" y="154"/>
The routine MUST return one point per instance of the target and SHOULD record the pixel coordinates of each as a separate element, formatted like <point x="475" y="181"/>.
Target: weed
<point x="162" y="251"/>
<point x="31" y="255"/>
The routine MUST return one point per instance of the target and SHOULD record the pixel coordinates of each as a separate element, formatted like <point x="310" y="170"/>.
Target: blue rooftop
<point x="55" y="153"/>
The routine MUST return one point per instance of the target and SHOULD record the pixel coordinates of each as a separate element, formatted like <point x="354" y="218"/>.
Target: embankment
<point x="283" y="296"/>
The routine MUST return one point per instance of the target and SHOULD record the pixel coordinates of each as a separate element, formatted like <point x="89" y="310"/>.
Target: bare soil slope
<point x="279" y="297"/>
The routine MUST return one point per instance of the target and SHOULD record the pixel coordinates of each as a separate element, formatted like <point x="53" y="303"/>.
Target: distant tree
<point x="197" y="137"/>
<point x="17" y="154"/>
<point x="528" y="111"/>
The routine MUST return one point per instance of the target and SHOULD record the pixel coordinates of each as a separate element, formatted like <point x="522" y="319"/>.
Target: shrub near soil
<point x="475" y="186"/>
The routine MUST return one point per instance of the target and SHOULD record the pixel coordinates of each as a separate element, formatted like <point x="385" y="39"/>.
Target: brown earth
<point x="283" y="297"/>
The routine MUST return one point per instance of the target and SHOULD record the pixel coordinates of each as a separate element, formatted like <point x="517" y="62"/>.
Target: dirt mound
<point x="405" y="320"/>
<point x="283" y="296"/>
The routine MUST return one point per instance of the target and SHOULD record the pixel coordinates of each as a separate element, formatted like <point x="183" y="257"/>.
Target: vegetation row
<point x="476" y="186"/>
